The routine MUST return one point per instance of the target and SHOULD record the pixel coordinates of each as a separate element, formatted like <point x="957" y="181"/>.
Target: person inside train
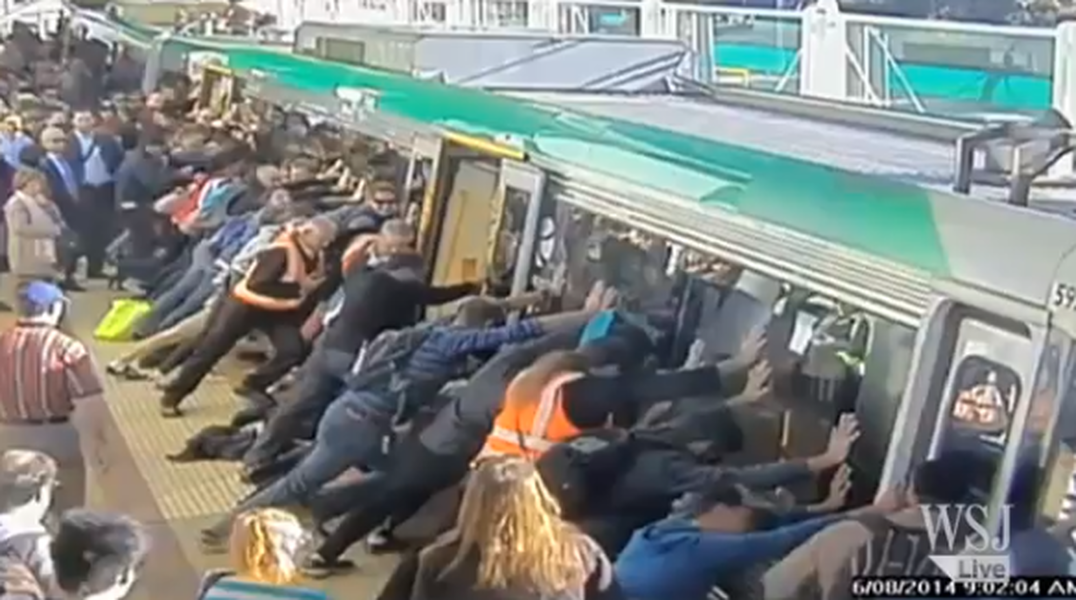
<point x="509" y="542"/>
<point x="437" y="456"/>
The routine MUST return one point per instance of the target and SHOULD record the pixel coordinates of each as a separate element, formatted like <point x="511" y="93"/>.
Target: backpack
<point x="382" y="361"/>
<point x="580" y="471"/>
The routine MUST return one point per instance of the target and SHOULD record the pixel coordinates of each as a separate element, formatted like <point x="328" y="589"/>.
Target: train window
<point x="586" y="248"/>
<point x="509" y="235"/>
<point x="991" y="361"/>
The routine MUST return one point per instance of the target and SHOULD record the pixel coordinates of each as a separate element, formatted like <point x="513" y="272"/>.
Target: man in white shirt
<point x="95" y="156"/>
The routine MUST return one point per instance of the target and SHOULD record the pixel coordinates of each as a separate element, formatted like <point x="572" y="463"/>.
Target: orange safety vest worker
<point x="294" y="272"/>
<point x="358" y="251"/>
<point x="527" y="429"/>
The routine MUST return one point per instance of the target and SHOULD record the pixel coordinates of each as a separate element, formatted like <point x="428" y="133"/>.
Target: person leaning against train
<point x="51" y="398"/>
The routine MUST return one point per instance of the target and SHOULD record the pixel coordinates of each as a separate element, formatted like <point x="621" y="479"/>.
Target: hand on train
<point x="839" y="487"/>
<point x="696" y="355"/>
<point x="594" y="298"/>
<point x="758" y="385"/>
<point x="840" y="441"/>
<point x="609" y="298"/>
<point x="750" y="349"/>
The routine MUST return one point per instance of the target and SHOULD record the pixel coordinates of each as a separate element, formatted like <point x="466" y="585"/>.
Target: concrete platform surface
<point x="175" y="500"/>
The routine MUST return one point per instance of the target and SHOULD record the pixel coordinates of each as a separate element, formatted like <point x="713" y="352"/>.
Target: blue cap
<point x="38" y="296"/>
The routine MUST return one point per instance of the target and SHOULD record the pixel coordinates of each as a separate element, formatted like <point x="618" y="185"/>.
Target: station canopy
<point x="505" y="61"/>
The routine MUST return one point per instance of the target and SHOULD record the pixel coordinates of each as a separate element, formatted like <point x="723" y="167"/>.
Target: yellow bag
<point x="121" y="319"/>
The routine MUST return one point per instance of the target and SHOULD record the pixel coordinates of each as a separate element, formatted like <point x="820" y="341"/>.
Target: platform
<point x="176" y="500"/>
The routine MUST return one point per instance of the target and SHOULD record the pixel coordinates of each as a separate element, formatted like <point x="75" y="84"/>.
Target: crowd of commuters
<point x="548" y="442"/>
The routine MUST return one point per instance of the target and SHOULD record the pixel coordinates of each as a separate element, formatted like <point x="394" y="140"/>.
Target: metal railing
<point x="927" y="67"/>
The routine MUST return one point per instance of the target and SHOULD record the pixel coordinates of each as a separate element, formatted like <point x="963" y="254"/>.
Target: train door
<point x="972" y="390"/>
<point x="463" y="207"/>
<point x="517" y="226"/>
<point x="218" y="89"/>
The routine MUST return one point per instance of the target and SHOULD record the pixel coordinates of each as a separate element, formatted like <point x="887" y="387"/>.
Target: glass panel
<point x="588" y="248"/>
<point x="947" y="73"/>
<point x="509" y="236"/>
<point x="346" y="51"/>
<point x="984" y="386"/>
<point x="759" y="53"/>
<point x="505" y="13"/>
<point x="607" y="19"/>
<point x="1054" y="414"/>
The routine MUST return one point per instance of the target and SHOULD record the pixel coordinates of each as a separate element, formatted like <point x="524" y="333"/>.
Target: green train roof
<point x="883" y="218"/>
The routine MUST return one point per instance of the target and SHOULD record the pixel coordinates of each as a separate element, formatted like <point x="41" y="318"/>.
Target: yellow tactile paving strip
<point x="187" y="496"/>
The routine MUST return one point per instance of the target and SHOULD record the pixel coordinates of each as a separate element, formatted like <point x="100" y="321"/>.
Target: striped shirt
<point x="43" y="373"/>
<point x="231" y="588"/>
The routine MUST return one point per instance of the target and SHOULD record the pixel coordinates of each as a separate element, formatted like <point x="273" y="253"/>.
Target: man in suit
<point x="95" y="157"/>
<point x="64" y="188"/>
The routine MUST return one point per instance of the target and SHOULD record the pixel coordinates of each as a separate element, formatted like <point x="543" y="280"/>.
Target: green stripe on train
<point x="880" y="217"/>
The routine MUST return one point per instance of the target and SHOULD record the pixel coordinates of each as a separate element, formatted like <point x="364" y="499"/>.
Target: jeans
<point x="183" y="331"/>
<point x="321" y="381"/>
<point x="349" y="434"/>
<point x="170" y="300"/>
<point x="169" y="275"/>
<point x="415" y="474"/>
<point x="192" y="303"/>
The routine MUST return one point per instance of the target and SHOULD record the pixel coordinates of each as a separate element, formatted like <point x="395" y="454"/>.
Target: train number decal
<point x="1063" y="297"/>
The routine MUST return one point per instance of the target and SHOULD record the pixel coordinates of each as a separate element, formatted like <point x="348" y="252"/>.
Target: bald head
<point x="317" y="232"/>
<point x="396" y="236"/>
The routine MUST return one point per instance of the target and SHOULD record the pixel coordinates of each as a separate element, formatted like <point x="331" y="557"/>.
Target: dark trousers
<point x="98" y="225"/>
<point x="234" y="320"/>
<point x="415" y="475"/>
<point x="321" y="381"/>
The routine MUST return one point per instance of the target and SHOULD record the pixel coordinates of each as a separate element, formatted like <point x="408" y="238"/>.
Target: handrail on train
<point x="937" y="129"/>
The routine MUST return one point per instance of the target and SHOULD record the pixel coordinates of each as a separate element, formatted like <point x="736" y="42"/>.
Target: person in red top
<point x="50" y="393"/>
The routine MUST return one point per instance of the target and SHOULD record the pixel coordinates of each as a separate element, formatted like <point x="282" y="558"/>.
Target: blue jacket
<point x="674" y="559"/>
<point x="232" y="236"/>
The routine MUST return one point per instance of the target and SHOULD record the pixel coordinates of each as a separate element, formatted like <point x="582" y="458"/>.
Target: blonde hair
<point x="25" y="176"/>
<point x="255" y="546"/>
<point x="511" y="522"/>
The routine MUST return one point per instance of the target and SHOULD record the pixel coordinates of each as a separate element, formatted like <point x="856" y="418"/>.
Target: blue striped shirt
<point x="439" y="357"/>
<point x="230" y="588"/>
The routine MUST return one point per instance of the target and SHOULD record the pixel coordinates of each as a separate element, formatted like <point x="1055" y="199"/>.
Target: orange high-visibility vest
<point x="358" y="251"/>
<point x="295" y="272"/>
<point x="529" y="429"/>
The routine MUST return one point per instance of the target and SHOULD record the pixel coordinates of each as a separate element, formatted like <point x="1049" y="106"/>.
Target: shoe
<point x="316" y="567"/>
<point x="381" y="541"/>
<point x="125" y="371"/>
<point x="170" y="409"/>
<point x="255" y="397"/>
<point x="71" y="286"/>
